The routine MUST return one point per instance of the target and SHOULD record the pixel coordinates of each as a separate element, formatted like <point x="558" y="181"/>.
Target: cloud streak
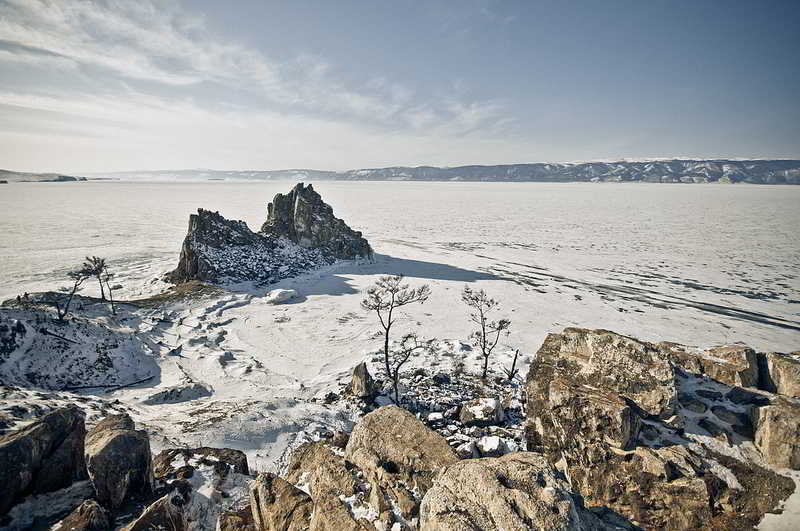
<point x="160" y="43"/>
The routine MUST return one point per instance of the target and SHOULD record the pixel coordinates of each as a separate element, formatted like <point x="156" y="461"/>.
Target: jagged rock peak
<point x="301" y="233"/>
<point x="304" y="218"/>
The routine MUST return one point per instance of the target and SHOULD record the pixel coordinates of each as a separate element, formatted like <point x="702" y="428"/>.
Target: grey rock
<point x="362" y="385"/>
<point x="780" y="373"/>
<point x="482" y="412"/>
<point x="777" y="433"/>
<point x="43" y="457"/>
<point x="89" y="516"/>
<point x="119" y="462"/>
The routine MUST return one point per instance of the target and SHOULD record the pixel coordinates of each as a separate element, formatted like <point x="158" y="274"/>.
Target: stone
<point x="391" y="443"/>
<point x="362" y="385"/>
<point x="709" y="395"/>
<point x="516" y="492"/>
<point x="630" y="368"/>
<point x="491" y="446"/>
<point x="238" y="520"/>
<point x="119" y="462"/>
<point x="780" y="373"/>
<point x="777" y="433"/>
<point x="481" y="412"/>
<point x="304" y="218"/>
<point x="691" y="403"/>
<point x="331" y="514"/>
<point x="740" y="422"/>
<point x="740" y="396"/>
<point x="165" y="513"/>
<point x="278" y="505"/>
<point x="222" y="459"/>
<point x="562" y="416"/>
<point x="44" y="456"/>
<point x="314" y="464"/>
<point x="89" y="516"/>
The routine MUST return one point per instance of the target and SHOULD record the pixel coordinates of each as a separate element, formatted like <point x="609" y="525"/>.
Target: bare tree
<point x="384" y="298"/>
<point x="409" y="345"/>
<point x="488" y="332"/>
<point x="94" y="266"/>
<point x="62" y="306"/>
<point x="106" y="277"/>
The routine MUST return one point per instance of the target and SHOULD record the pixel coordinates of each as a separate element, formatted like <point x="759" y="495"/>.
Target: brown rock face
<point x="734" y="365"/>
<point x="602" y="359"/>
<point x="777" y="433"/>
<point x="165" y="513"/>
<point x="596" y="400"/>
<point x="316" y="465"/>
<point x="241" y="520"/>
<point x="119" y="461"/>
<point x="222" y="459"/>
<point x="780" y="373"/>
<point x="304" y="218"/>
<point x="42" y="457"/>
<point x="89" y="516"/>
<point x="278" y="505"/>
<point x="516" y="492"/>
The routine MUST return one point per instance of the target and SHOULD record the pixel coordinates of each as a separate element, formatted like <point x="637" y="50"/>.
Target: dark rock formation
<point x="239" y="520"/>
<point x="119" y="461"/>
<point x="42" y="457"/>
<point x="301" y="233"/>
<point x="221" y="459"/>
<point x="304" y="218"/>
<point x="166" y="513"/>
<point x="600" y="409"/>
<point x="89" y="516"/>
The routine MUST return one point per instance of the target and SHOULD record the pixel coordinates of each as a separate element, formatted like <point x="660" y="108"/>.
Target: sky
<point x="94" y="86"/>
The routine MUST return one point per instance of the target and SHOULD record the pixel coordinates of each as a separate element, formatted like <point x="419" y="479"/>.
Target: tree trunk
<point x="110" y="298"/>
<point x="102" y="291"/>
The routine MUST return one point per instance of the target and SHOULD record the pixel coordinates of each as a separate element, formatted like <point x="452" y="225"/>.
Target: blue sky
<point x="147" y="84"/>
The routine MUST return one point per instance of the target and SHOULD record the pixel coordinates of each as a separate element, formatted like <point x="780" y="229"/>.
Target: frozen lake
<point x="697" y="264"/>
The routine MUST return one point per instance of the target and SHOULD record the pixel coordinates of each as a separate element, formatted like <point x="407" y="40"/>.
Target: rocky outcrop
<point x="780" y="373"/>
<point x="42" y="457"/>
<point x="221" y="459"/>
<point x="515" y="492"/>
<point x="89" y="516"/>
<point x="301" y="233"/>
<point x="278" y="505"/>
<point x="304" y="218"/>
<point x="601" y="408"/>
<point x="119" y="462"/>
<point x="777" y="433"/>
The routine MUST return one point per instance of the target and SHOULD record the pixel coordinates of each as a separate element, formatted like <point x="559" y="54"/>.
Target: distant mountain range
<point x="18" y="176"/>
<point x="755" y="171"/>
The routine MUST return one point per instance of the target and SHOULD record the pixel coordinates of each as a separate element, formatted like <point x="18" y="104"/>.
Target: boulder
<point x="118" y="460"/>
<point x="168" y="512"/>
<point x="780" y="373"/>
<point x="323" y="471"/>
<point x="777" y="433"/>
<point x="562" y="416"/>
<point x="222" y="460"/>
<point x="304" y="218"/>
<point x="491" y="446"/>
<point x="278" y="505"/>
<point x="89" y="516"/>
<point x="44" y="456"/>
<point x="390" y="443"/>
<point x="238" y="520"/>
<point x="517" y="492"/>
<point x="625" y="366"/>
<point x="362" y="385"/>
<point x="481" y="412"/>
